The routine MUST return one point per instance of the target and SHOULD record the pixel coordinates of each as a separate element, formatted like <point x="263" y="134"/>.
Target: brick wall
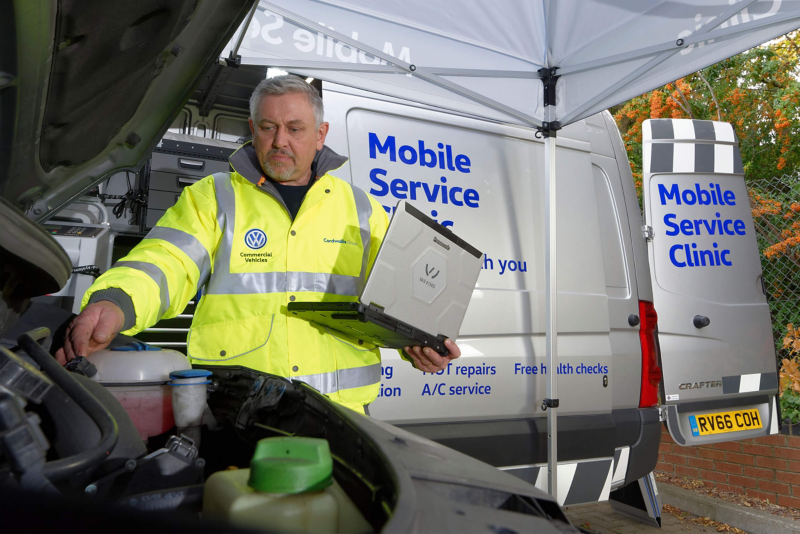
<point x="766" y="468"/>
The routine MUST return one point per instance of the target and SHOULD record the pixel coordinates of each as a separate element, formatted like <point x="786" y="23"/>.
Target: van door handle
<point x="184" y="181"/>
<point x="194" y="164"/>
<point x="701" y="321"/>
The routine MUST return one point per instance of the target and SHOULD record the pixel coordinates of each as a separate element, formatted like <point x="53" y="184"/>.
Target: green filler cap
<point x="291" y="465"/>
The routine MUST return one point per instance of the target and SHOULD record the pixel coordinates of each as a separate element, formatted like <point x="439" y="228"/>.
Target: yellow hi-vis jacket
<point x="235" y="240"/>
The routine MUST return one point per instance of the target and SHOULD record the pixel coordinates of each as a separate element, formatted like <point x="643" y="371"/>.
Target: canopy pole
<point x="549" y="131"/>
<point x="551" y="329"/>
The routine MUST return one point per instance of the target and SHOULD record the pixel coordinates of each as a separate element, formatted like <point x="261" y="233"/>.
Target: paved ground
<point x="601" y="518"/>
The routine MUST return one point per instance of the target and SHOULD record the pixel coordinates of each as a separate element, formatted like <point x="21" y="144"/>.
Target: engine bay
<point x="66" y="434"/>
<point x="79" y="448"/>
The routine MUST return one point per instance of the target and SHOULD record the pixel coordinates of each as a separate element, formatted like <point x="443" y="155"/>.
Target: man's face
<point x="286" y="138"/>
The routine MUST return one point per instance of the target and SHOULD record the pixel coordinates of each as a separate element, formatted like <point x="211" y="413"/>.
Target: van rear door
<point x="717" y="354"/>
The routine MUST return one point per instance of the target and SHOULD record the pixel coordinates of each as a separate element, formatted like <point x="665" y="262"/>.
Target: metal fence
<point x="775" y="203"/>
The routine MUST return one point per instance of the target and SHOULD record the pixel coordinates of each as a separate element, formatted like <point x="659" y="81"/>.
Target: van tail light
<point x="651" y="373"/>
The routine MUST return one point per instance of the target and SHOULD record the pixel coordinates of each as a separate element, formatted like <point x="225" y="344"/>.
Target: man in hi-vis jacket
<point x="280" y="227"/>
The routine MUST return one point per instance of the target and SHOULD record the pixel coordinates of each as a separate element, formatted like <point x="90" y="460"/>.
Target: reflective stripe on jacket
<point x="236" y="240"/>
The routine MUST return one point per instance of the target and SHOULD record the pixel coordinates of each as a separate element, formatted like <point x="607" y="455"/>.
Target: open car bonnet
<point x="87" y="88"/>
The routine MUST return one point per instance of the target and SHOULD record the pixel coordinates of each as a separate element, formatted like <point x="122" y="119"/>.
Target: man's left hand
<point x="428" y="360"/>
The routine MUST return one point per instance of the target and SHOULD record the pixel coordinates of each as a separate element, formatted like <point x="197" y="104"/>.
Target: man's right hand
<point x="92" y="330"/>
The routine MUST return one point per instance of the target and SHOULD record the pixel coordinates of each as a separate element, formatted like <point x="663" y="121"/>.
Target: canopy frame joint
<point x="549" y="80"/>
<point x="549" y="403"/>
<point x="548" y="129"/>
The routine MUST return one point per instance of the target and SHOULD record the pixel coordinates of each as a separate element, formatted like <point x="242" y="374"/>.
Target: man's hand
<point x="92" y="330"/>
<point x="428" y="360"/>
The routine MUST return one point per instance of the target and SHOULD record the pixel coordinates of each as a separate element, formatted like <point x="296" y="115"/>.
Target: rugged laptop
<point x="417" y="292"/>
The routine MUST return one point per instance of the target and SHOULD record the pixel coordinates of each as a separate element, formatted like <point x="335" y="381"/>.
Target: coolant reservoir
<point x="288" y="488"/>
<point x="137" y="374"/>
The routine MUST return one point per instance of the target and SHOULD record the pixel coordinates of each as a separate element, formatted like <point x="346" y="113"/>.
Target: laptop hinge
<point x="376" y="308"/>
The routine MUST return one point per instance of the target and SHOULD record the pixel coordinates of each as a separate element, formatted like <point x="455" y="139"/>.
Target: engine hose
<point x="109" y="431"/>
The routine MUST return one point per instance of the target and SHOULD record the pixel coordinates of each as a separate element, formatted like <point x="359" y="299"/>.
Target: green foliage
<point x="790" y="406"/>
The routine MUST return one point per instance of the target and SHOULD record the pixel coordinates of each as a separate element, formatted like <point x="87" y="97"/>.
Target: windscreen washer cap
<point x="291" y="465"/>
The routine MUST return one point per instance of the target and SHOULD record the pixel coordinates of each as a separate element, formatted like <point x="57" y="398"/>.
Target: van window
<point x="613" y="256"/>
<point x="181" y="123"/>
<point x="227" y="128"/>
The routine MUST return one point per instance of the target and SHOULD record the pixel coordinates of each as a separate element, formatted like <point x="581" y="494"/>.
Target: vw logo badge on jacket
<point x="255" y="238"/>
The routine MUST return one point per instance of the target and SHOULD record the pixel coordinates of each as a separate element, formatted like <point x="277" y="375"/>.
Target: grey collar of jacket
<point x="245" y="162"/>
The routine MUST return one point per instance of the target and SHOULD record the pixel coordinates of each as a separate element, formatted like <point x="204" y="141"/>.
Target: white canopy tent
<point x="537" y="63"/>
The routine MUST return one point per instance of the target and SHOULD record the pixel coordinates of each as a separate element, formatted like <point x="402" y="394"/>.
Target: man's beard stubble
<point x="278" y="172"/>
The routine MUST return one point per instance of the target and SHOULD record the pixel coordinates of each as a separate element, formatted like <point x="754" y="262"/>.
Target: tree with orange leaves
<point x="756" y="91"/>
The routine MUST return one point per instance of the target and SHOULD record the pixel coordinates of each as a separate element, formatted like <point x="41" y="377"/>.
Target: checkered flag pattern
<point x="749" y="383"/>
<point x="580" y="481"/>
<point x="690" y="146"/>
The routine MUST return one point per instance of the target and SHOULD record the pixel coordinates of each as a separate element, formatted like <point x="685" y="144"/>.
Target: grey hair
<point x="285" y="85"/>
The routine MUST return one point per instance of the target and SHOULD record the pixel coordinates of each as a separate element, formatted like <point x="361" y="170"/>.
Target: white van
<point x="485" y="181"/>
<point x="694" y="263"/>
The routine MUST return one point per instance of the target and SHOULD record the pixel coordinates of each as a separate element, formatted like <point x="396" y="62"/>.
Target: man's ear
<point x="252" y="128"/>
<point x="322" y="133"/>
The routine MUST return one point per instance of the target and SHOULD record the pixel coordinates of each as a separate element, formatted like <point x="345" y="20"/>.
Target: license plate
<point x="722" y="422"/>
